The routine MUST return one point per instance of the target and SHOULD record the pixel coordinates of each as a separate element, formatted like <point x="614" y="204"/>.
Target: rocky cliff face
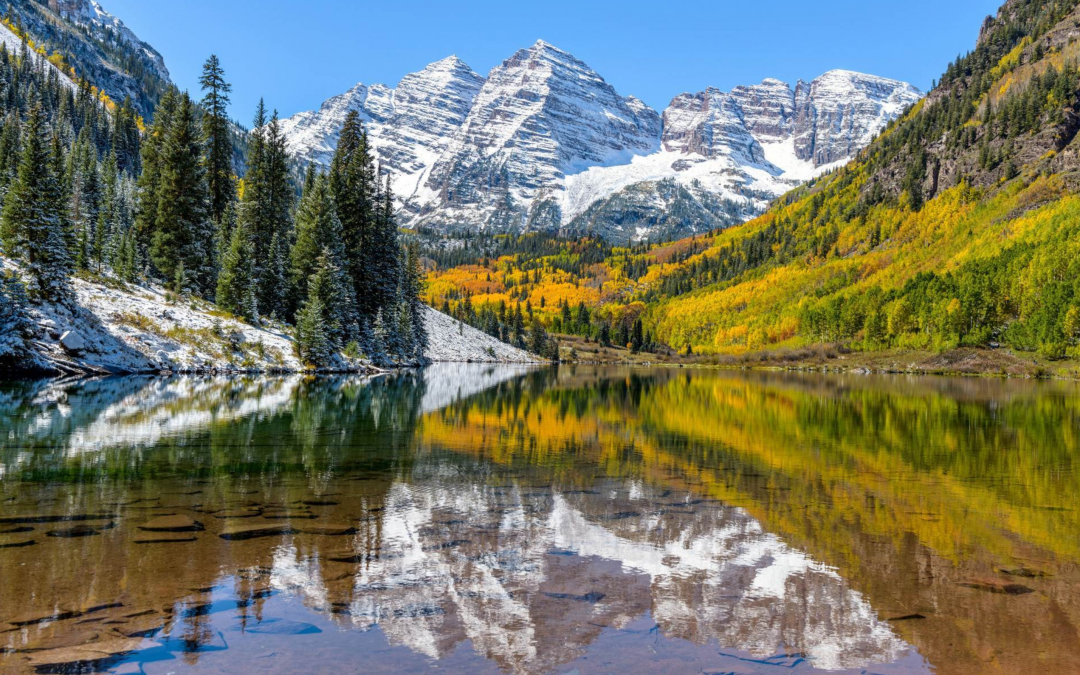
<point x="545" y="143"/>
<point x="840" y="112"/>
<point x="99" y="46"/>
<point x="540" y="116"/>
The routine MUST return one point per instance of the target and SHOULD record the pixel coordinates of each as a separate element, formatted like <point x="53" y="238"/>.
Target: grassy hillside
<point x="957" y="226"/>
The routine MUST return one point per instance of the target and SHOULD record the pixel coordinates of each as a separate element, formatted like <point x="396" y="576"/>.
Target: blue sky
<point x="297" y="53"/>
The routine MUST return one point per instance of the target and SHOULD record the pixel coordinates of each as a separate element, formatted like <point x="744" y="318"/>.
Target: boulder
<point x="73" y="342"/>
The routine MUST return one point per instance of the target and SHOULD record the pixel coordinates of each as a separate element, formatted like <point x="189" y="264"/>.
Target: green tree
<point x="183" y="235"/>
<point x="215" y="127"/>
<point x="32" y="226"/>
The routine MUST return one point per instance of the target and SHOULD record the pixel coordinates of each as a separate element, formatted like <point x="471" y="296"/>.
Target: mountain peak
<point x="451" y="62"/>
<point x="543" y="137"/>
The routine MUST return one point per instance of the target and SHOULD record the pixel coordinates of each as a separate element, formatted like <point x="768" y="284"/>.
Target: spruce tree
<point x="13" y="319"/>
<point x="215" y="125"/>
<point x="149" y="184"/>
<point x="411" y="288"/>
<point x="312" y="343"/>
<point x="235" y="284"/>
<point x="318" y="233"/>
<point x="183" y="234"/>
<point x="330" y="285"/>
<point x="352" y="181"/>
<point x="266" y="212"/>
<point x="32" y="226"/>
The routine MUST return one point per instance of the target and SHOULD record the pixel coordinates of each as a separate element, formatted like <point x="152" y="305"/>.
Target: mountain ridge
<point x="545" y="139"/>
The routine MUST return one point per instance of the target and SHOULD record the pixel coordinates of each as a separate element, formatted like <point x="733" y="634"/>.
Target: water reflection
<point x="531" y="521"/>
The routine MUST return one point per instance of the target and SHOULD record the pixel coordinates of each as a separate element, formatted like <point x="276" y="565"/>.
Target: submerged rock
<point x="998" y="587"/>
<point x="17" y="543"/>
<point x="85" y="657"/>
<point x="164" y="538"/>
<point x="79" y="531"/>
<point x="328" y="529"/>
<point x="60" y="518"/>
<point x="173" y="523"/>
<point x="255" y="531"/>
<point x="33" y="618"/>
<point x="238" y="513"/>
<point x="289" y="515"/>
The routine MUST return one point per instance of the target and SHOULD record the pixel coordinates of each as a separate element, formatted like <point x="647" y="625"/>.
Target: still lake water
<point x="487" y="519"/>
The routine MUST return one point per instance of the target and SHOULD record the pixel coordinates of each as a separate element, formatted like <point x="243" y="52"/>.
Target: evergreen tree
<point x="312" y="344"/>
<point x="149" y="184"/>
<point x="266" y="210"/>
<point x="13" y="319"/>
<point x="235" y="283"/>
<point x="215" y="125"/>
<point x="538" y="338"/>
<point x="183" y="235"/>
<point x="32" y="226"/>
<point x="9" y="151"/>
<point x="352" y="181"/>
<point x="605" y="335"/>
<point x="411" y="289"/>
<point x="318" y="229"/>
<point x="637" y="339"/>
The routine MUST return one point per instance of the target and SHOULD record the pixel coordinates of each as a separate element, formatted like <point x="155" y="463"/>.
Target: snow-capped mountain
<point x="544" y="143"/>
<point x="102" y="24"/>
<point x="97" y="45"/>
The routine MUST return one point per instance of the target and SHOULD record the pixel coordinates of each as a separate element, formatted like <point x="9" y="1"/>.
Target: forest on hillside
<point x="89" y="189"/>
<point x="956" y="227"/>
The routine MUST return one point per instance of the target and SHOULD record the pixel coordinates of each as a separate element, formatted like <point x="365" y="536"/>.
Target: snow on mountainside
<point x="544" y="143"/>
<point x="13" y="43"/>
<point x="541" y="115"/>
<point x="409" y="126"/>
<point x="92" y="15"/>
<point x="98" y="45"/>
<point x="128" y="328"/>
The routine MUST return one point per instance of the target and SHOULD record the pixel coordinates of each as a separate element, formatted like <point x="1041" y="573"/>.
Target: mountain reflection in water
<point x="488" y="518"/>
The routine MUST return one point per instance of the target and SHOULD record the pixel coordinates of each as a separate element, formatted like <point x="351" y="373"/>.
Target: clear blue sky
<point x="297" y="53"/>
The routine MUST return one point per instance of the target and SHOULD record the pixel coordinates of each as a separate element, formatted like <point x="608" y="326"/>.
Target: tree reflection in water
<point x="531" y="521"/>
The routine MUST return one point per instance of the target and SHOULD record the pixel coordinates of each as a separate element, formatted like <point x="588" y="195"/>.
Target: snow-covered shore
<point x="125" y="328"/>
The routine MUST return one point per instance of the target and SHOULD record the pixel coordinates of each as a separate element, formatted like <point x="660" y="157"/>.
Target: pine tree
<point x="183" y="234"/>
<point x="517" y="328"/>
<point x="149" y="184"/>
<point x="386" y="252"/>
<point x="32" y="226"/>
<point x="312" y="343"/>
<point x="215" y="126"/>
<point x="13" y="319"/>
<point x="10" y="152"/>
<point x="538" y="338"/>
<point x="235" y="284"/>
<point x="266" y="210"/>
<point x="636" y="337"/>
<point x="411" y="289"/>
<point x="317" y="229"/>
<point x="330" y="285"/>
<point x="352" y="181"/>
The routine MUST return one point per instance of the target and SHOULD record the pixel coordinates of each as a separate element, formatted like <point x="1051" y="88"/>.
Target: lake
<point x="500" y="519"/>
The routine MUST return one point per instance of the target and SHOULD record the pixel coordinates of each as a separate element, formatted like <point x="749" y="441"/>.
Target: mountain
<point x="955" y="234"/>
<point x="544" y="143"/>
<point x="96" y="45"/>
